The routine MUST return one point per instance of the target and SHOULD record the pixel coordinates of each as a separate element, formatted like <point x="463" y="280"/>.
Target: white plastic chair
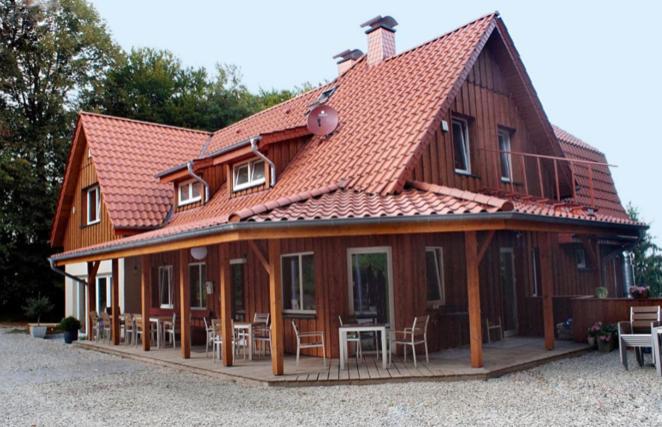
<point x="170" y="329"/>
<point x="211" y="333"/>
<point x="261" y="333"/>
<point x="128" y="328"/>
<point x="354" y="337"/>
<point x="637" y="333"/>
<point x="312" y="340"/>
<point x="240" y="341"/>
<point x="411" y="337"/>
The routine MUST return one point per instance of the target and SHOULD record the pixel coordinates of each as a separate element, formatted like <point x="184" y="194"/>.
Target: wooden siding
<point x="77" y="234"/>
<point x="485" y="100"/>
<point x="586" y="311"/>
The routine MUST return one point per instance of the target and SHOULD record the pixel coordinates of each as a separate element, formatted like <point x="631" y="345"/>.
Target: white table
<point x="358" y="328"/>
<point x="248" y="327"/>
<point x="158" y="320"/>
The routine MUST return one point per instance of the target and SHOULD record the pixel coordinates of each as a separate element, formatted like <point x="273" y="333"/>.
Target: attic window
<point x="188" y="192"/>
<point x="248" y="174"/>
<point x="93" y="205"/>
<point x="461" y="146"/>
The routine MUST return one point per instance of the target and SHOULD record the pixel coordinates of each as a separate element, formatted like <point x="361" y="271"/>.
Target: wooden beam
<point x="473" y="299"/>
<point x="145" y="298"/>
<point x="225" y="303"/>
<point x="184" y="304"/>
<point x="115" y="302"/>
<point x="484" y="246"/>
<point x="547" y="285"/>
<point x="260" y="256"/>
<point x="92" y="268"/>
<point x="276" y="308"/>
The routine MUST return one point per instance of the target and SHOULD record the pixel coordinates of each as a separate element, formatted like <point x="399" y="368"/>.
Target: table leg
<point x="250" y="343"/>
<point x="342" y="344"/>
<point x="384" y="348"/>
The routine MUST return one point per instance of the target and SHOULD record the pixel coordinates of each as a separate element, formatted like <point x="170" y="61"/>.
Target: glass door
<point x="370" y="287"/>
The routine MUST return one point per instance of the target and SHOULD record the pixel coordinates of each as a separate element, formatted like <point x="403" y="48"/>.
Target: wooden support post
<point x="184" y="304"/>
<point x="115" y="302"/>
<point x="92" y="268"/>
<point x="276" y="308"/>
<point x="547" y="279"/>
<point x="225" y="303"/>
<point x="145" y="299"/>
<point x="473" y="299"/>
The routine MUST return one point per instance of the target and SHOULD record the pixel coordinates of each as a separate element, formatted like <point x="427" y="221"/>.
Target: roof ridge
<point x="581" y="143"/>
<point x="284" y="201"/>
<point x="496" y="202"/>
<point x="126" y="119"/>
<point x="494" y="14"/>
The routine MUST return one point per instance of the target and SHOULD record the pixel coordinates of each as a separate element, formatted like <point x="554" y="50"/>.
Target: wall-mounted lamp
<point x="199" y="253"/>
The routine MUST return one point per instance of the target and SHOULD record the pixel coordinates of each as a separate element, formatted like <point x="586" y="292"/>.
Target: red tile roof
<point x="604" y="190"/>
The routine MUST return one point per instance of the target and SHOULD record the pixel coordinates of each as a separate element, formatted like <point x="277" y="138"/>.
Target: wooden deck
<point x="503" y="357"/>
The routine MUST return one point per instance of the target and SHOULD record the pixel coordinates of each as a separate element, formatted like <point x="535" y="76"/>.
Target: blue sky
<point x="595" y="65"/>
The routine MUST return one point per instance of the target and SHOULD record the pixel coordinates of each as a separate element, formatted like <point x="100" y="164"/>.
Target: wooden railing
<point x="540" y="175"/>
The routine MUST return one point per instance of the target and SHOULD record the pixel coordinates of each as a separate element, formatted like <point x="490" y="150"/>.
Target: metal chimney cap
<point x="379" y="21"/>
<point x="348" y="54"/>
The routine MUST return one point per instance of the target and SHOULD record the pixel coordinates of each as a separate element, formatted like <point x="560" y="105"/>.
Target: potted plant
<point x="601" y="292"/>
<point x="34" y="309"/>
<point x="605" y="337"/>
<point x="639" y="292"/>
<point x="70" y="326"/>
<point x="592" y="334"/>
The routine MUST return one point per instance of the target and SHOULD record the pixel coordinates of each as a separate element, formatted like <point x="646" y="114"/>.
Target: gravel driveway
<point x="45" y="382"/>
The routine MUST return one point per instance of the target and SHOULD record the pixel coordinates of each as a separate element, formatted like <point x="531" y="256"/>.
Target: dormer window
<point x="248" y="174"/>
<point x="93" y="205"/>
<point x="188" y="192"/>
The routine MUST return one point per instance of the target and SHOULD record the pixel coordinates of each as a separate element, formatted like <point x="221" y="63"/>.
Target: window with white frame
<point x="165" y="286"/>
<point x="580" y="255"/>
<point x="298" y="279"/>
<point x="462" y="155"/>
<point x="434" y="269"/>
<point x="505" y="156"/>
<point x="197" y="277"/>
<point x="535" y="267"/>
<point x="93" y="202"/>
<point x="248" y="174"/>
<point x="188" y="192"/>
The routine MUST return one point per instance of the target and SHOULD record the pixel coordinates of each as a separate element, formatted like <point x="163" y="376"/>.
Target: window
<point x="189" y="192"/>
<point x="434" y="270"/>
<point x="103" y="293"/>
<point x="535" y="267"/>
<point x="165" y="286"/>
<point x="580" y="255"/>
<point x="93" y="205"/>
<point x="248" y="174"/>
<point x="505" y="156"/>
<point x="461" y="146"/>
<point x="197" y="273"/>
<point x="237" y="283"/>
<point x="298" y="280"/>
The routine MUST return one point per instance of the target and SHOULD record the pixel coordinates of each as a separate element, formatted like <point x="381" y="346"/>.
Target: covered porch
<point x="510" y="355"/>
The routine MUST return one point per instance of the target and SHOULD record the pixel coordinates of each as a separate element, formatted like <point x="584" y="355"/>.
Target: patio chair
<point x="309" y="340"/>
<point x="354" y="337"/>
<point x="211" y="333"/>
<point x="636" y="333"/>
<point x="493" y="326"/>
<point x="240" y="341"/>
<point x="656" y="337"/>
<point x="105" y="325"/>
<point x="411" y="337"/>
<point x="128" y="328"/>
<point x="94" y="327"/>
<point x="171" y="329"/>
<point x="261" y="333"/>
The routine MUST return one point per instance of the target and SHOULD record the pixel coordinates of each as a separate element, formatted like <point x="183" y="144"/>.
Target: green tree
<point x="50" y="52"/>
<point x="647" y="258"/>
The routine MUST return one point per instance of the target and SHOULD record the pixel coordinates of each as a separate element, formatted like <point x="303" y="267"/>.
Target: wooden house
<point x="444" y="189"/>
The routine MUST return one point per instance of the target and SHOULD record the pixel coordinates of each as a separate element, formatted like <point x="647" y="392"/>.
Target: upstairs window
<point x="188" y="192"/>
<point x="505" y="156"/>
<point x="461" y="146"/>
<point x="248" y="174"/>
<point x="434" y="272"/>
<point x="580" y="255"/>
<point x="93" y="205"/>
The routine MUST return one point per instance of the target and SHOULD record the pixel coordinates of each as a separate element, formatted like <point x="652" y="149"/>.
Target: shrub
<point x="70" y="324"/>
<point x="36" y="307"/>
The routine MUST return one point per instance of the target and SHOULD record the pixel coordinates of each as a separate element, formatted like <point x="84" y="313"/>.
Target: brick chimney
<point x="347" y="58"/>
<point x="381" y="38"/>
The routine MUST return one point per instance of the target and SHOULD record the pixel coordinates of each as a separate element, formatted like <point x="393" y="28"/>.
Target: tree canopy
<point x="57" y="57"/>
<point x="647" y="259"/>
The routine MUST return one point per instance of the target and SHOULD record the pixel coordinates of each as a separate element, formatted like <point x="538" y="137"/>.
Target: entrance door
<point x="509" y="291"/>
<point x="370" y="287"/>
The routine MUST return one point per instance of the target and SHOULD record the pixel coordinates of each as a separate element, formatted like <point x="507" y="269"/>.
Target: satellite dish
<point x="322" y="120"/>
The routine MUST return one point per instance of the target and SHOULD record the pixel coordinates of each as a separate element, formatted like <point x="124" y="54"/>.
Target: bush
<point x="70" y="324"/>
<point x="36" y="307"/>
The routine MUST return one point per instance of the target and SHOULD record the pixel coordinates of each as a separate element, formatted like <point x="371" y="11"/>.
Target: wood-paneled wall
<point x="77" y="234"/>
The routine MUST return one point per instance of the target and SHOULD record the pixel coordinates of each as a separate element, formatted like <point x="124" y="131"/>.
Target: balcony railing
<point x="546" y="176"/>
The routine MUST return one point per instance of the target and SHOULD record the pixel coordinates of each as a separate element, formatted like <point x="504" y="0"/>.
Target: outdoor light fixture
<point x="199" y="253"/>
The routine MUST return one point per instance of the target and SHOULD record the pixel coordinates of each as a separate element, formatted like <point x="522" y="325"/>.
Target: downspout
<point x="64" y="273"/>
<point x="272" y="166"/>
<point x="189" y="167"/>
